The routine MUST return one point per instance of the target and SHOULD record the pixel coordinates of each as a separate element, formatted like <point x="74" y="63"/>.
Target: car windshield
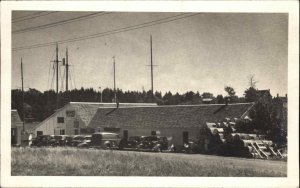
<point x="163" y="139"/>
<point x="151" y="138"/>
<point x="88" y="138"/>
<point x="79" y="138"/>
<point x="134" y="138"/>
<point x="58" y="137"/>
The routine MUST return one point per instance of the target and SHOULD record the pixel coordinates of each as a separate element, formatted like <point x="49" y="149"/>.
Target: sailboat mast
<point x="23" y="108"/>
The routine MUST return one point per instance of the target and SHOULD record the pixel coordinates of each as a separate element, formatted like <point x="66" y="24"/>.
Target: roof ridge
<point x="111" y="103"/>
<point x="185" y="105"/>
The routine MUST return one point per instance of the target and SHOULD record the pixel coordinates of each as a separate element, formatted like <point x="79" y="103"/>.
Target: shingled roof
<point x="87" y="110"/>
<point x="179" y="116"/>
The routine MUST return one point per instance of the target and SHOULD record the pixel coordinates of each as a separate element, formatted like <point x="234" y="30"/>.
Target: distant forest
<point x="39" y="105"/>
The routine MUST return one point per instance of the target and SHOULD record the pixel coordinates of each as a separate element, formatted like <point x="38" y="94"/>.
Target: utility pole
<point x="56" y="61"/>
<point x="115" y="93"/>
<point x="23" y="108"/>
<point x="151" y="65"/>
<point x="100" y="94"/>
<point x="67" y="69"/>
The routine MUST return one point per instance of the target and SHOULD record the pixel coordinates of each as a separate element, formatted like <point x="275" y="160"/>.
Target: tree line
<point x="39" y="105"/>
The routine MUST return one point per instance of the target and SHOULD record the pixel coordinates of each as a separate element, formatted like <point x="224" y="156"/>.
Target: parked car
<point x="61" y="140"/>
<point x="69" y="140"/>
<point x="131" y="143"/>
<point x="86" y="142"/>
<point x="44" y="140"/>
<point x="153" y="143"/>
<point x="77" y="140"/>
<point x="105" y="140"/>
<point x="191" y="147"/>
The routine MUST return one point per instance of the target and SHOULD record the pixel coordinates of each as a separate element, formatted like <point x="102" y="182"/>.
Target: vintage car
<point x="191" y="147"/>
<point x="153" y="143"/>
<point x="131" y="143"/>
<point x="86" y="142"/>
<point x="44" y="140"/>
<point x="77" y="140"/>
<point x="61" y="140"/>
<point x="105" y="140"/>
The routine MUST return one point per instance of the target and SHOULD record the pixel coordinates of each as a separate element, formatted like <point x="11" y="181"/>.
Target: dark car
<point x="132" y="142"/>
<point x="68" y="140"/>
<point x="60" y="140"/>
<point x="86" y="142"/>
<point x="191" y="147"/>
<point x="105" y="140"/>
<point x="153" y="143"/>
<point x="44" y="140"/>
<point x="77" y="140"/>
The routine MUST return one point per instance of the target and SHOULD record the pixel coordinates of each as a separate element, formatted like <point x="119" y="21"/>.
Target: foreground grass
<point x="88" y="162"/>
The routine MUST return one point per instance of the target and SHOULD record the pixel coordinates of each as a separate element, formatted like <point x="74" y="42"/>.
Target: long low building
<point x="177" y="122"/>
<point x="74" y="118"/>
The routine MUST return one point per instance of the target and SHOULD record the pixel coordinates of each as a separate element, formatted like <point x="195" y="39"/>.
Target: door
<point x="125" y="134"/>
<point x="185" y="137"/>
<point x="13" y="136"/>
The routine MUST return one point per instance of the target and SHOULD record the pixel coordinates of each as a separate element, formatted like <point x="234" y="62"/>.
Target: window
<point x="39" y="133"/>
<point x="111" y="129"/>
<point x="60" y="119"/>
<point x="62" y="132"/>
<point x="153" y="133"/>
<point x="76" y="131"/>
<point x="76" y="124"/>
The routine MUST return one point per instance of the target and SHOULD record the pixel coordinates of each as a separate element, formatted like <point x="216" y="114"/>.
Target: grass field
<point x="90" y="162"/>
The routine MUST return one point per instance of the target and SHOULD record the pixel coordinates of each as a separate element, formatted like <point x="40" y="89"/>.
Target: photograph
<point x="148" y="94"/>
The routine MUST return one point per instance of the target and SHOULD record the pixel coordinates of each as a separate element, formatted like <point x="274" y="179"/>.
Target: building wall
<point x="16" y="134"/>
<point x="51" y="125"/>
<point x="16" y="128"/>
<point x="174" y="135"/>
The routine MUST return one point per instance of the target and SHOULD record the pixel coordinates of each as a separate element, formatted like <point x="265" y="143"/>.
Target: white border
<point x="290" y="7"/>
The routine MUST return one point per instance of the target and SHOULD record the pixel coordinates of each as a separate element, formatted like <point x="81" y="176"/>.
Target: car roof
<point x="105" y="133"/>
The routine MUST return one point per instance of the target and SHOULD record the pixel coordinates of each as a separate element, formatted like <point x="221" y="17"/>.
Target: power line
<point x="25" y="17"/>
<point x="111" y="32"/>
<point x="45" y="26"/>
<point x="16" y="18"/>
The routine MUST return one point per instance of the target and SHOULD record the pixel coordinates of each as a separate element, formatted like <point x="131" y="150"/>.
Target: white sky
<point x="201" y="53"/>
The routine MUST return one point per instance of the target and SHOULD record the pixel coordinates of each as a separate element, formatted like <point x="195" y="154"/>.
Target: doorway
<point x="185" y="137"/>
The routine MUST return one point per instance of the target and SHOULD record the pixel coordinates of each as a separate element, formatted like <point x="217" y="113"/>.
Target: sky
<point x="202" y="52"/>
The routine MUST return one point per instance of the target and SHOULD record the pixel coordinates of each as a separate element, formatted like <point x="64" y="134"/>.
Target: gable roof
<point x="87" y="110"/>
<point x="177" y="116"/>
